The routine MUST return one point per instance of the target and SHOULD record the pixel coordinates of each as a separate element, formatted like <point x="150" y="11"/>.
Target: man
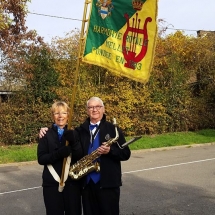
<point x="101" y="190"/>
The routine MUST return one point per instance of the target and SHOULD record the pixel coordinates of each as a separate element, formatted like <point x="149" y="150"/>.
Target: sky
<point x="188" y="15"/>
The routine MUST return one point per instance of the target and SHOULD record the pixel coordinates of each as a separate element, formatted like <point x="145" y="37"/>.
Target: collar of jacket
<point x="86" y="124"/>
<point x="55" y="127"/>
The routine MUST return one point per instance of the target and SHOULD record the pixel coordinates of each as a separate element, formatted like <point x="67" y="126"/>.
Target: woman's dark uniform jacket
<point x="52" y="151"/>
<point x="110" y="166"/>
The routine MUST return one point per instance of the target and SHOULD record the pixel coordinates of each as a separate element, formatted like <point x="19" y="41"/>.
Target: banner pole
<point x="72" y="101"/>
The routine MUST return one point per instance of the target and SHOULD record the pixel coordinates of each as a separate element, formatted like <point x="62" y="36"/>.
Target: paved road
<point x="160" y="182"/>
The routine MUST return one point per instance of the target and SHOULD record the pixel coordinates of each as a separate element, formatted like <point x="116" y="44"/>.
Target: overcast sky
<point x="190" y="15"/>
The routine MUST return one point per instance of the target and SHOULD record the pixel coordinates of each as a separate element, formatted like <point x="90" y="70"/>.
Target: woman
<point x="51" y="152"/>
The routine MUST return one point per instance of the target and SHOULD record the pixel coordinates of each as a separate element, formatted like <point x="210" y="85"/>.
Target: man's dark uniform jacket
<point x="110" y="166"/>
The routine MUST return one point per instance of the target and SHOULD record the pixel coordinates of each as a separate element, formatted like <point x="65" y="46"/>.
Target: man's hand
<point x="42" y="132"/>
<point x="103" y="149"/>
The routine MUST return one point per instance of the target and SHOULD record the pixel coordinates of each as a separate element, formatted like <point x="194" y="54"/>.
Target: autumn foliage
<point x="180" y="95"/>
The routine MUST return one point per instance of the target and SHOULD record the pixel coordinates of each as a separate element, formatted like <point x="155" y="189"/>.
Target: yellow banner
<point x="121" y="37"/>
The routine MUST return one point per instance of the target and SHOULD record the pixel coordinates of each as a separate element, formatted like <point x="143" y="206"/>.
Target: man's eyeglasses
<point x="94" y="107"/>
<point x="61" y="113"/>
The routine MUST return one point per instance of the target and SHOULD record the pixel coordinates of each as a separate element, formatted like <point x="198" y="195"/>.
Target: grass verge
<point x="174" y="139"/>
<point x="21" y="153"/>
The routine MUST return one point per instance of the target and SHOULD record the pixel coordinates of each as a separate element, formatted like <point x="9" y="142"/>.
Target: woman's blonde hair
<point x="58" y="104"/>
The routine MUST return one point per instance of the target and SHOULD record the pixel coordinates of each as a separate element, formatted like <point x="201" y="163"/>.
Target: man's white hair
<point x="96" y="99"/>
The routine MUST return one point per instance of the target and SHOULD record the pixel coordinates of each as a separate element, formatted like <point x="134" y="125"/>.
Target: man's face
<point x="95" y="110"/>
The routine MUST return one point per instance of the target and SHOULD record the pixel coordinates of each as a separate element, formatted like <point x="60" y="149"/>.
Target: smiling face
<point x="60" y="114"/>
<point x="95" y="110"/>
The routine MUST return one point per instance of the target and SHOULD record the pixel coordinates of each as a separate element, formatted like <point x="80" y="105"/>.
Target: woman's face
<point x="60" y="116"/>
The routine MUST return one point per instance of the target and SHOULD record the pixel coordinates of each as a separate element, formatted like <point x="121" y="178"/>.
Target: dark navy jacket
<point x="110" y="164"/>
<point x="46" y="154"/>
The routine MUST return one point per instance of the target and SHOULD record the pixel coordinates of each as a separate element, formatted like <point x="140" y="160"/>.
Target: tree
<point x="22" y="51"/>
<point x="15" y="40"/>
<point x="41" y="77"/>
<point x="169" y="82"/>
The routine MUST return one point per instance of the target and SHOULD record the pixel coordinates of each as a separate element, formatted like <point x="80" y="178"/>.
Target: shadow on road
<point x="142" y="197"/>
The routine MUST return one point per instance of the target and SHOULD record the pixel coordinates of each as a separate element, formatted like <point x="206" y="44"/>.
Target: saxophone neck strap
<point x="93" y="135"/>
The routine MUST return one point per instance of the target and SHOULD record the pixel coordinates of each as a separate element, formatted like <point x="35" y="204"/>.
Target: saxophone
<point x="86" y="165"/>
